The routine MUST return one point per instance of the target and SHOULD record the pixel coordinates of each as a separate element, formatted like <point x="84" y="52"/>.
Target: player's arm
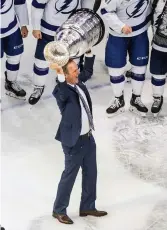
<point x="21" y="11"/>
<point x="37" y="10"/>
<point x="109" y="14"/>
<point x="87" y="71"/>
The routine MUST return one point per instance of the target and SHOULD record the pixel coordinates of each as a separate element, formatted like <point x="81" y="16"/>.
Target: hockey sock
<point x="158" y="85"/>
<point x="41" y="70"/>
<point x="137" y="79"/>
<point x="12" y="67"/>
<point x="117" y="80"/>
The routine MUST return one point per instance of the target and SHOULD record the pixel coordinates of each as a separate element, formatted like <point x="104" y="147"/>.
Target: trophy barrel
<point x="83" y="30"/>
<point x="93" y="24"/>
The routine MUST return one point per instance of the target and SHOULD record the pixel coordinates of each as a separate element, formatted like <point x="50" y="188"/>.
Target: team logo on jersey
<point x="66" y="6"/>
<point x="137" y="8"/>
<point x="5" y="6"/>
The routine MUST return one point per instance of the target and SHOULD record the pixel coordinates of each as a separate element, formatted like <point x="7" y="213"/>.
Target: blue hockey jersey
<point x="13" y="13"/>
<point x="47" y="15"/>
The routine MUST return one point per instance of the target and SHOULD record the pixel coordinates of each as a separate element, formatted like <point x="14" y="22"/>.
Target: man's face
<point x="73" y="72"/>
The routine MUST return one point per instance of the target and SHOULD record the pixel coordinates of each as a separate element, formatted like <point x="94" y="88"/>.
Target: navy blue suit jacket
<point x="68" y="101"/>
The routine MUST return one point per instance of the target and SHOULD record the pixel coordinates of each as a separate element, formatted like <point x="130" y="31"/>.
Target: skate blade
<point x="30" y="107"/>
<point x="34" y="106"/>
<point x="10" y="94"/>
<point x="121" y="110"/>
<point x="135" y="111"/>
<point x="155" y="115"/>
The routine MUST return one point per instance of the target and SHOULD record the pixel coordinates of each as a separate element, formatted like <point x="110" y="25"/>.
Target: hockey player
<point x="14" y="14"/>
<point x="158" y="61"/>
<point x="128" y="21"/>
<point x="47" y="16"/>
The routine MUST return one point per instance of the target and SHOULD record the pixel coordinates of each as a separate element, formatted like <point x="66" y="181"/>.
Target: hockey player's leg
<point x="80" y="62"/>
<point x="137" y="80"/>
<point x="158" y="70"/>
<point x="117" y="80"/>
<point x="115" y="59"/>
<point x="13" y="89"/>
<point x="128" y="75"/>
<point x="13" y="47"/>
<point x="138" y="54"/>
<point x="2" y="47"/>
<point x="158" y="84"/>
<point x="41" y="69"/>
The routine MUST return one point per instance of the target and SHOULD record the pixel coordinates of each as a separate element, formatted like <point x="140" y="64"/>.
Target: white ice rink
<point x="131" y="155"/>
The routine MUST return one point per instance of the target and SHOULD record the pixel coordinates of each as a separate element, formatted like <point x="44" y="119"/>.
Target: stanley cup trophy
<point x="83" y="30"/>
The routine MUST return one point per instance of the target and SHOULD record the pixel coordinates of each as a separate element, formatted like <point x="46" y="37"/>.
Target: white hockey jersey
<point x="12" y="12"/>
<point x="156" y="17"/>
<point x="47" y="15"/>
<point x="134" y="13"/>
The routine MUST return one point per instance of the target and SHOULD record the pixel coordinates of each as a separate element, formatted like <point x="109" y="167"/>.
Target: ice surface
<point x="131" y="178"/>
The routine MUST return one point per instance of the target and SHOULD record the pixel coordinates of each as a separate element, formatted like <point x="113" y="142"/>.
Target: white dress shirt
<point x="85" y="128"/>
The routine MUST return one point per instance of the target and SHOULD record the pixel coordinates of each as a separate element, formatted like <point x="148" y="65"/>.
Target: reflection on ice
<point x="158" y="217"/>
<point x="141" y="147"/>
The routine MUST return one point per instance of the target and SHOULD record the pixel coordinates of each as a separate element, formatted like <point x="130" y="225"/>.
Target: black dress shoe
<point x="62" y="218"/>
<point x="93" y="213"/>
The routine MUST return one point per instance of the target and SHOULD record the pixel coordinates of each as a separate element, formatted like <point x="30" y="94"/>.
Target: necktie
<point x="90" y="118"/>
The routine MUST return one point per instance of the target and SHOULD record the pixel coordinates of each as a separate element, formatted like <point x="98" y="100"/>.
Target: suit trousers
<point x="83" y="155"/>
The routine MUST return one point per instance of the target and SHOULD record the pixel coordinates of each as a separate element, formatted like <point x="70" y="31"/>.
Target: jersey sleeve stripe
<point x="38" y="5"/>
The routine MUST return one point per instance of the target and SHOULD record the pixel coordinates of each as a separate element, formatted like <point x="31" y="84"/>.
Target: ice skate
<point x="36" y="95"/>
<point x="157" y="106"/>
<point x="116" y="107"/>
<point x="137" y="106"/>
<point x="13" y="89"/>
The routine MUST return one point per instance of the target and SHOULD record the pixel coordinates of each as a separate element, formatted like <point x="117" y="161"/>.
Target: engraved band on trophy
<point x="83" y="30"/>
<point x="160" y="37"/>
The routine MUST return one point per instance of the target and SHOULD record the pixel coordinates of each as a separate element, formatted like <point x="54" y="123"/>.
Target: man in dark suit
<point x="75" y="135"/>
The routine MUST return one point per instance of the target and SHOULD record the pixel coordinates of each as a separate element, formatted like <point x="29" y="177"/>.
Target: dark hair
<point x="65" y="67"/>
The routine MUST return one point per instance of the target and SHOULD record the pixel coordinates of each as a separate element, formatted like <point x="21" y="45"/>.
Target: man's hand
<point x="56" y="67"/>
<point x="37" y="34"/>
<point x="24" y="31"/>
<point x="126" y="29"/>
